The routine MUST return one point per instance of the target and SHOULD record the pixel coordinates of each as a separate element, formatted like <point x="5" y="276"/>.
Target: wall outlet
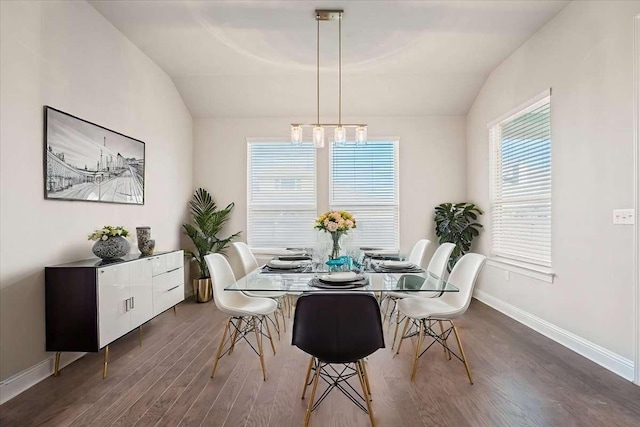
<point x="623" y="216"/>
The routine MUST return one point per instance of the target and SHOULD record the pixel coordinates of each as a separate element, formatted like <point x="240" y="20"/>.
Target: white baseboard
<point x="600" y="355"/>
<point x="16" y="384"/>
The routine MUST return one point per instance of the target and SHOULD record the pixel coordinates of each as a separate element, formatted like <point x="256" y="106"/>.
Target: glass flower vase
<point x="335" y="248"/>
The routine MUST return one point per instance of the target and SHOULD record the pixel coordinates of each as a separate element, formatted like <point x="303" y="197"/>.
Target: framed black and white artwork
<point x="87" y="162"/>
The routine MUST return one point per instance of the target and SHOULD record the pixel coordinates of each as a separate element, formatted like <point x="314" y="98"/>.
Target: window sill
<point x="530" y="270"/>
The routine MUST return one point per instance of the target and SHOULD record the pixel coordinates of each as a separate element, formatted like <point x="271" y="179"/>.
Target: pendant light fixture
<point x="340" y="131"/>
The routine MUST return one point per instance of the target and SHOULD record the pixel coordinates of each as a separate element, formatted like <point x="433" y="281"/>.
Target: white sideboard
<point x="90" y="303"/>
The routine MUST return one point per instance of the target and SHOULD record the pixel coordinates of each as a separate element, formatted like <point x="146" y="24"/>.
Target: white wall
<point x="66" y="55"/>
<point x="585" y="55"/>
<point x="432" y="164"/>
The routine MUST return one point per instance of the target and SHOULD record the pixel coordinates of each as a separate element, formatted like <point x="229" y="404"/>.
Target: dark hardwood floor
<point x="521" y="379"/>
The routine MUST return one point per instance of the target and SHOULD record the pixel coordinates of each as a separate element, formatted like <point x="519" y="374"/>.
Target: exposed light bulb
<point x="361" y="136"/>
<point x="340" y="136"/>
<point x="296" y="134"/>
<point x="318" y="137"/>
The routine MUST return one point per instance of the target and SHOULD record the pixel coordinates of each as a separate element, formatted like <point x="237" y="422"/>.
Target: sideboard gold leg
<point x="56" y="365"/>
<point x="140" y="335"/>
<point x="175" y="313"/>
<point x="106" y="362"/>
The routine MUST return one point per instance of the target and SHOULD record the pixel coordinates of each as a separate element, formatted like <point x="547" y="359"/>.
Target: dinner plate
<point x="397" y="264"/>
<point x="340" y="277"/>
<point x="294" y="258"/>
<point x="284" y="265"/>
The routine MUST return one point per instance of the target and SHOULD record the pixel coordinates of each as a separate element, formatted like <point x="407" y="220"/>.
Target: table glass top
<point x="258" y="280"/>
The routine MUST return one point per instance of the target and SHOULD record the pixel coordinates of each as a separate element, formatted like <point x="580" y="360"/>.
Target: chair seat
<point x="253" y="307"/>
<point x="421" y="308"/>
<point x="265" y="294"/>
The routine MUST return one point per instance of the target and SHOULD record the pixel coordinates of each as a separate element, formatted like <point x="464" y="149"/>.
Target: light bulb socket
<point x="318" y="137"/>
<point x="296" y="134"/>
<point x="361" y="135"/>
<point x="340" y="136"/>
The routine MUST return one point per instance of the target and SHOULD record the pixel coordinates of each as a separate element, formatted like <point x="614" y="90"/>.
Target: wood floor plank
<point x="89" y="387"/>
<point x="169" y="369"/>
<point x="121" y="396"/>
<point x="521" y="378"/>
<point x="172" y="393"/>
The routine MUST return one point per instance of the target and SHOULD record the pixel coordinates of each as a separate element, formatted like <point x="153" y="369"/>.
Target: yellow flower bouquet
<point x="337" y="223"/>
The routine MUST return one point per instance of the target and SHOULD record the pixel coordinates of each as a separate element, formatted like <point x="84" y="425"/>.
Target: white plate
<point x="397" y="264"/>
<point x="276" y="263"/>
<point x="340" y="276"/>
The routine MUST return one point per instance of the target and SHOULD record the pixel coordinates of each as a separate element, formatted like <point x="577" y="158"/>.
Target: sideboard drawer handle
<point x="175" y="287"/>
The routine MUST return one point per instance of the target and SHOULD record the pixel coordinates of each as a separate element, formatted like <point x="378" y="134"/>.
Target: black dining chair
<point x="338" y="329"/>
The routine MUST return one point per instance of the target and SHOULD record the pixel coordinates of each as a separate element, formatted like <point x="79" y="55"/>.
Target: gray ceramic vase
<point x="112" y="248"/>
<point x="145" y="242"/>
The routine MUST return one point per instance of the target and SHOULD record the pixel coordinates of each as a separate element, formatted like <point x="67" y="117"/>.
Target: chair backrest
<point x="221" y="277"/>
<point x="440" y="259"/>
<point x="418" y="252"/>
<point x="248" y="260"/>
<point x="463" y="276"/>
<point x="338" y="327"/>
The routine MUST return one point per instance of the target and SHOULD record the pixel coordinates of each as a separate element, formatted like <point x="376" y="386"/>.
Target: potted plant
<point x="111" y="242"/>
<point x="456" y="223"/>
<point x="207" y="223"/>
<point x="336" y="223"/>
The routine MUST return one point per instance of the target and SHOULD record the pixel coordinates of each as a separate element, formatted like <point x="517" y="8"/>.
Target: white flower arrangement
<point x="108" y="231"/>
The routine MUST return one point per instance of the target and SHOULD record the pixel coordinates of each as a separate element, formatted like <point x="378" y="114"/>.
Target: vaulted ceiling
<point x="258" y="58"/>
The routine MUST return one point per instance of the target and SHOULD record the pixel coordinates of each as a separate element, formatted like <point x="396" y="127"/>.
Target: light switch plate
<point x="623" y="216"/>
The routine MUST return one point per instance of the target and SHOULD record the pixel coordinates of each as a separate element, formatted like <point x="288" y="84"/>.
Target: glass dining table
<point x="308" y="281"/>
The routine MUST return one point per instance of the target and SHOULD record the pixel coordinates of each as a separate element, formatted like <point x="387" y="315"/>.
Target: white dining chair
<point x="249" y="264"/>
<point x="438" y="267"/>
<point x="416" y="257"/>
<point x="246" y="314"/>
<point x="423" y="313"/>
<point x="418" y="253"/>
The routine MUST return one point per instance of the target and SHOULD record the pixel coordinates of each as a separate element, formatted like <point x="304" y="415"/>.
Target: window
<point x="281" y="193"/>
<point x="364" y="181"/>
<point x="521" y="184"/>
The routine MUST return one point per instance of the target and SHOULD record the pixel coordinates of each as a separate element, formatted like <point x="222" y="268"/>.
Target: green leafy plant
<point x="208" y="222"/>
<point x="456" y="223"/>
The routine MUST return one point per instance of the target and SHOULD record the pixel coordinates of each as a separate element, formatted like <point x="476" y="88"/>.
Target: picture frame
<point x="84" y="161"/>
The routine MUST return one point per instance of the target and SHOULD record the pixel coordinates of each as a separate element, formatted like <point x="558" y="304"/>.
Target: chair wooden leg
<point x="257" y="329"/>
<point x="415" y="362"/>
<point x="447" y="354"/>
<point x="313" y="395"/>
<point x="284" y="323"/>
<point x="224" y="336"/>
<point x="464" y="358"/>
<point x="306" y="379"/>
<point x="385" y="311"/>
<point x="235" y="334"/>
<point x="395" y="334"/>
<point x="404" y="331"/>
<point x="366" y="377"/>
<point x="365" y="392"/>
<point x="275" y="316"/>
<point x="266" y="322"/>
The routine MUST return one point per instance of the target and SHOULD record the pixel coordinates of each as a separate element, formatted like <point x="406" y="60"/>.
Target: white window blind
<point x="521" y="184"/>
<point x="364" y="181"/>
<point x="281" y="192"/>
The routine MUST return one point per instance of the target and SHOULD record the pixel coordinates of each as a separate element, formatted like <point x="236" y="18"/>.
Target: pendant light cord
<point x="340" y="70"/>
<point x="318" y="71"/>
